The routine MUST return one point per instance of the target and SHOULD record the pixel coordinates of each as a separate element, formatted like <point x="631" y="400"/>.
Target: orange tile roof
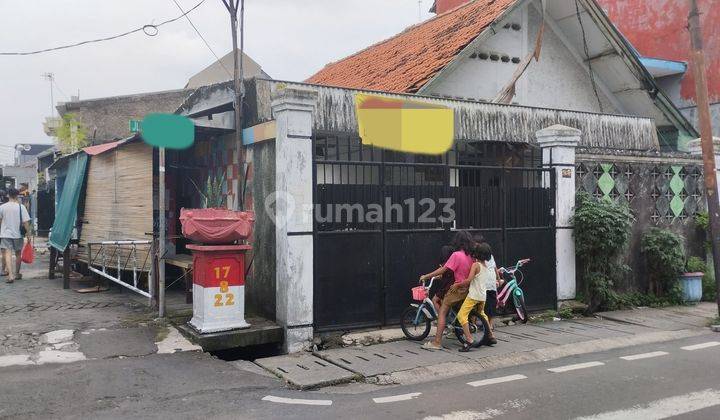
<point x="407" y="61"/>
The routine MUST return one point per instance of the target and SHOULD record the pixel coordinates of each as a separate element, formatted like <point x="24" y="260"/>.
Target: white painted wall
<point x="558" y="80"/>
<point x="477" y="78"/>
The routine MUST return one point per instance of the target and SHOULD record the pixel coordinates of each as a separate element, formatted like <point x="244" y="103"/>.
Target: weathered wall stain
<point x="658" y="29"/>
<point x="480" y="121"/>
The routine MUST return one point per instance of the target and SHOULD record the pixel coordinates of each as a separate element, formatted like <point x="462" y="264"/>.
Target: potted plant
<point x="213" y="223"/>
<point x="691" y="280"/>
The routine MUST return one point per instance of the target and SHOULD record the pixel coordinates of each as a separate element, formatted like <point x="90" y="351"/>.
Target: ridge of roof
<point x="448" y="29"/>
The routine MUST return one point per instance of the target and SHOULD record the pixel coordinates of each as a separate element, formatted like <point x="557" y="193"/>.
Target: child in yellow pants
<point x="476" y="293"/>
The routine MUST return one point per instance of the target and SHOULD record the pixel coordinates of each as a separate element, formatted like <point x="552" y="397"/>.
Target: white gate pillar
<point x="558" y="144"/>
<point x="695" y="149"/>
<point x="292" y="110"/>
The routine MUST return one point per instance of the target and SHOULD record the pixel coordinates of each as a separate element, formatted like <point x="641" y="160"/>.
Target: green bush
<point x="702" y="221"/>
<point x="601" y="292"/>
<point x="664" y="256"/>
<point x="709" y="287"/>
<point x="566" y="313"/>
<point x="602" y="231"/>
<point x="695" y="265"/>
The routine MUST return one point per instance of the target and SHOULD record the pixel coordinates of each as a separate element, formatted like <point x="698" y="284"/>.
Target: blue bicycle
<point x="416" y="320"/>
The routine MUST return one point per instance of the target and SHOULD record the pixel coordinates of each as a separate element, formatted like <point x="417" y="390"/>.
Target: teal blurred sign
<point x="168" y="130"/>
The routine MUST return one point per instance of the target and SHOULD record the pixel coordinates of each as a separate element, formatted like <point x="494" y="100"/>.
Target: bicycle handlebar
<point x="518" y="264"/>
<point x="432" y="279"/>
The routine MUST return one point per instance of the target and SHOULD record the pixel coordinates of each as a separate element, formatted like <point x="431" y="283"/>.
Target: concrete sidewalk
<point x="40" y="322"/>
<point x="405" y="362"/>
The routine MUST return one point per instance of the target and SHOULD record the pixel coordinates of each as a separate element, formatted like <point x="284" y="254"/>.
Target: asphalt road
<point x="656" y="381"/>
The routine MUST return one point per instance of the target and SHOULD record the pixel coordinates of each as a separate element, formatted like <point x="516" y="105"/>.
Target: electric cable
<point x="55" y="85"/>
<point x="203" y="38"/>
<point x="149" y="30"/>
<point x="587" y="55"/>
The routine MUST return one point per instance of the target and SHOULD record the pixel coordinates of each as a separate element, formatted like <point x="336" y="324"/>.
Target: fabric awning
<point x="66" y="213"/>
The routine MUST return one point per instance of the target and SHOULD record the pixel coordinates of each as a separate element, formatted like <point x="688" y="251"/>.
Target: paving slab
<point x="386" y="358"/>
<point x="130" y="342"/>
<point x="702" y="309"/>
<point x="607" y="324"/>
<point x="661" y="319"/>
<point x="589" y="332"/>
<point x="545" y="335"/>
<point x="306" y="370"/>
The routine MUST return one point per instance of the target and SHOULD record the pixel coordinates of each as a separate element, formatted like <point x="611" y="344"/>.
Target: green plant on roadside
<point x="212" y="195"/>
<point x="695" y="265"/>
<point x="664" y="256"/>
<point x="635" y="299"/>
<point x="71" y="134"/>
<point x="709" y="287"/>
<point x="702" y="221"/>
<point x="602" y="231"/>
<point x="566" y="313"/>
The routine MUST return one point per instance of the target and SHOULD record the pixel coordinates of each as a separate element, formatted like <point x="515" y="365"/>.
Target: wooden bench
<point x="185" y="263"/>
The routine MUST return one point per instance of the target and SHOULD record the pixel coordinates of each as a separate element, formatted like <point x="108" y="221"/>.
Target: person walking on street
<point x="14" y="225"/>
<point x="3" y="200"/>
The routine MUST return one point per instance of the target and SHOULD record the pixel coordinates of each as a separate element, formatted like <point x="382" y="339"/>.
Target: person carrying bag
<point x="14" y="225"/>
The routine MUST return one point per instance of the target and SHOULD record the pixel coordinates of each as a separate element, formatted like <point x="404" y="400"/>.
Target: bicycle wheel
<point x="520" y="308"/>
<point x="478" y="329"/>
<point x="415" y="331"/>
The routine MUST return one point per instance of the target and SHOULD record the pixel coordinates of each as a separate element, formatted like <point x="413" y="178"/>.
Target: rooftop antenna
<point x="50" y="77"/>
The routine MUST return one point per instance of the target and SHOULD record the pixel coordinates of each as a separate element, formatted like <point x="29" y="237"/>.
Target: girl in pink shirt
<point x="459" y="263"/>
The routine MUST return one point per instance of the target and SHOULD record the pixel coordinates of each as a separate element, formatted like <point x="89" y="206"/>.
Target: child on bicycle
<point x="492" y="284"/>
<point x="459" y="264"/>
<point x="477" y="289"/>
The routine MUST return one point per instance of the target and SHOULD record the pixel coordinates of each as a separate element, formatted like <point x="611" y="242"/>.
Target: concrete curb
<point x="451" y="369"/>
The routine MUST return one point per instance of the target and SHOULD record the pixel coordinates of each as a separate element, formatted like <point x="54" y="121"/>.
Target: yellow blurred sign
<point x="403" y="125"/>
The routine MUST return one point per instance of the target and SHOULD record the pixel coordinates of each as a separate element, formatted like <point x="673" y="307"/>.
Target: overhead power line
<point x="201" y="37"/>
<point x="149" y="30"/>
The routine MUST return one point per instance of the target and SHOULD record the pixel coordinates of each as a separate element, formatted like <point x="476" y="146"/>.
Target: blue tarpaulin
<point x="66" y="213"/>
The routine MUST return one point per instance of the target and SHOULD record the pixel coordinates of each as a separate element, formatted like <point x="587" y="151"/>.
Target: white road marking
<point x="395" y="398"/>
<point x="645" y="355"/>
<point x="283" y="400"/>
<point x="662" y="409"/>
<point x="702" y="345"/>
<point x="493" y="381"/>
<point x="468" y="415"/>
<point x="577" y="366"/>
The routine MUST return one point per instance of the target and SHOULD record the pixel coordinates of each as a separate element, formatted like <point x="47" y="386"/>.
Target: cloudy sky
<point x="291" y="39"/>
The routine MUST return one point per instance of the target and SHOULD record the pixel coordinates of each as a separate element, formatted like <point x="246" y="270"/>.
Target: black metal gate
<point x="381" y="218"/>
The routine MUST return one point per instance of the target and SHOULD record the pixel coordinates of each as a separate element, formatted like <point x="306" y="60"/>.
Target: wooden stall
<point x="119" y="197"/>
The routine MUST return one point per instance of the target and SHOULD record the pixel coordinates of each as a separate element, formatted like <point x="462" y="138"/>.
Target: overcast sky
<point x="291" y="39"/>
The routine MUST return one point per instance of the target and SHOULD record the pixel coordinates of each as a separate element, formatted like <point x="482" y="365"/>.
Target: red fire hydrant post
<point x="218" y="287"/>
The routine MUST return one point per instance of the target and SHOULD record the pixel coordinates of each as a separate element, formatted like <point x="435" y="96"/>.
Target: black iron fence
<point x="381" y="218"/>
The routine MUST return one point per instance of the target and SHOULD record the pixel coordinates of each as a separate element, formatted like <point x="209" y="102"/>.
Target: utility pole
<point x="161" y="233"/>
<point x="706" y="138"/>
<point x="51" y="77"/>
<point x="233" y="6"/>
